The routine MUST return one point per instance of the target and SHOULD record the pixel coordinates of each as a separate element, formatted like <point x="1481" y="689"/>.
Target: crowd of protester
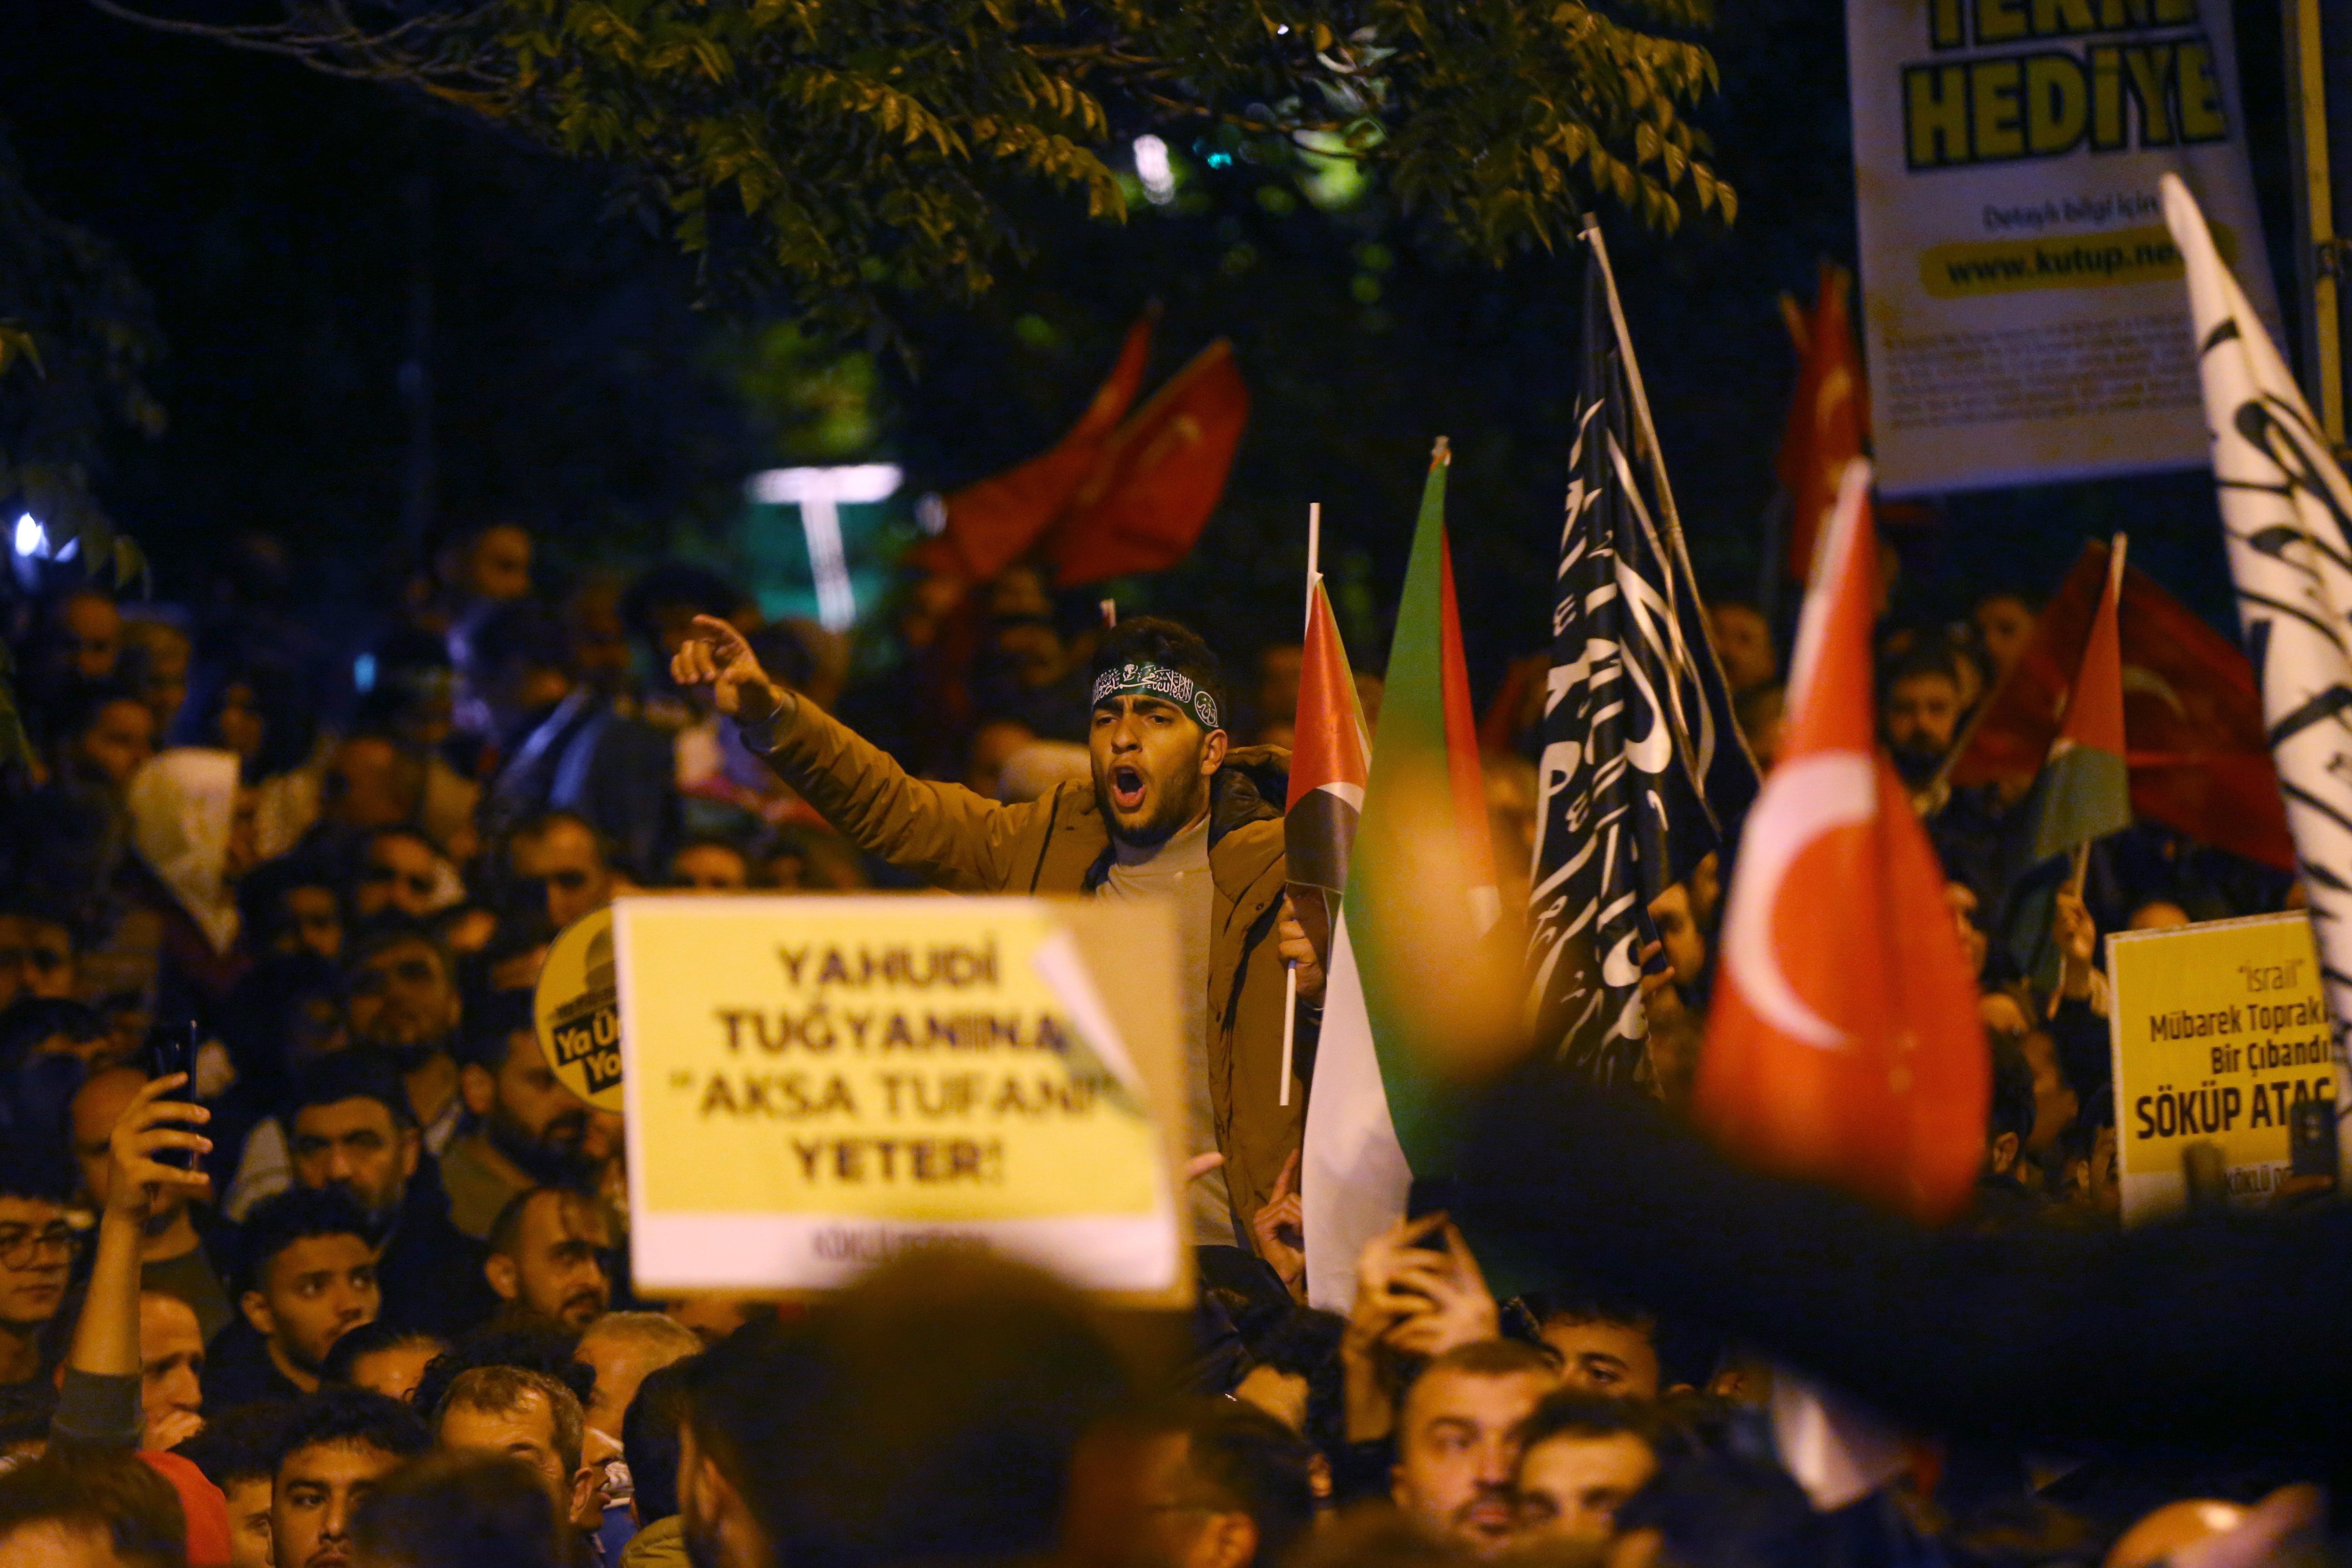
<point x="308" y="1259"/>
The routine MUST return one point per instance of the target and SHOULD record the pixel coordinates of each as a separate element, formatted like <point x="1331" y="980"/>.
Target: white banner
<point x="2024" y="316"/>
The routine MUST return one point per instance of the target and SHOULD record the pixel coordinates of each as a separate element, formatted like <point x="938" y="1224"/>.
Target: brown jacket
<point x="969" y="844"/>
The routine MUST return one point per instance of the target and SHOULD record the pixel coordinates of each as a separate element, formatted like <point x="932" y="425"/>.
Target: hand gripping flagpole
<point x="1290" y="971"/>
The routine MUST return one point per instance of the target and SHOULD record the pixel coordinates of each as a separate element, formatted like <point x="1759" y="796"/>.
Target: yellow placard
<point x="2219" y="1031"/>
<point x="574" y="1008"/>
<point x="815" y="1083"/>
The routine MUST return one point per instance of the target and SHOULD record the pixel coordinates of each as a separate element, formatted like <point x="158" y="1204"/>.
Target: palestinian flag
<point x="1373" y="1116"/>
<point x="1331" y="760"/>
<point x="2086" y="789"/>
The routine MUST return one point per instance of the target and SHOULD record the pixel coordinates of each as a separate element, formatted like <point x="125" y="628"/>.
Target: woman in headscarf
<point x="192" y="831"/>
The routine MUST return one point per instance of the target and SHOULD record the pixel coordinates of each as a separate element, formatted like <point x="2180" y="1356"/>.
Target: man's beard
<point x="380" y="1218"/>
<point x="1171" y="816"/>
<point x="410" y="1048"/>
<point x="1916" y="766"/>
<point x="548" y="1163"/>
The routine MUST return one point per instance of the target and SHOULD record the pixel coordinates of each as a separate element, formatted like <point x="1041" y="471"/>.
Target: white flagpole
<point x="1290" y="971"/>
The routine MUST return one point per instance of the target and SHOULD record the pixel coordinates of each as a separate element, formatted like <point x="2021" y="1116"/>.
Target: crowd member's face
<point x="2003" y="625"/>
<point x="2003" y="1014"/>
<point x="599" y="640"/>
<point x="399" y="873"/>
<point x="365" y="789"/>
<point x="1152" y="767"/>
<point x="118" y="741"/>
<point x="37" y="959"/>
<point x="1281" y="1395"/>
<point x="498" y="566"/>
<point x="529" y="1115"/>
<point x="239" y="726"/>
<point x="1280" y="670"/>
<point x="993" y="745"/>
<point x="171" y="1357"/>
<point x="1961" y="901"/>
<point x="1744" y="643"/>
<point x="318" y="1490"/>
<point x="1191" y="1526"/>
<point x="2054" y="1102"/>
<point x="527" y="1433"/>
<point x="90" y="635"/>
<point x="563" y="859"/>
<point x="2159" y="916"/>
<point x="37" y="1251"/>
<point x="314" y="921"/>
<point x="98" y="1104"/>
<point x="620" y="1364"/>
<point x="1571" y="1486"/>
<point x="401" y="995"/>
<point x="396" y="1370"/>
<point x="1456" y="1448"/>
<point x="557" y="1270"/>
<point x="248" y="1521"/>
<point x="163" y="679"/>
<point x="1922" y="712"/>
<point x="711" y="868"/>
<point x="356" y="1145"/>
<point x="1678" y="933"/>
<point x="1605" y="1357"/>
<point x="318" y="1290"/>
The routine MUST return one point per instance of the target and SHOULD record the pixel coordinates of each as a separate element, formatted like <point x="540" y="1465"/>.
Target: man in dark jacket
<point x="350" y="1128"/>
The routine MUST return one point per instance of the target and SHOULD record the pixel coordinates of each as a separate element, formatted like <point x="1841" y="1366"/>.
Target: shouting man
<point x="1175" y="811"/>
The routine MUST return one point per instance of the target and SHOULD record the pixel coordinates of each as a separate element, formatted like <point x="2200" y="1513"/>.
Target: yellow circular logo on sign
<point x="578" y="1010"/>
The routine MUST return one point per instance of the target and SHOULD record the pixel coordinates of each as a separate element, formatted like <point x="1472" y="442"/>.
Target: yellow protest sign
<point x="813" y="1084"/>
<point x="2219" y="1031"/>
<point x="574" y="1007"/>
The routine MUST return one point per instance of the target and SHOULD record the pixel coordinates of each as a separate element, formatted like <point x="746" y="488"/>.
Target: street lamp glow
<point x="1152" y="168"/>
<point x="31" y="539"/>
<point x="821" y="493"/>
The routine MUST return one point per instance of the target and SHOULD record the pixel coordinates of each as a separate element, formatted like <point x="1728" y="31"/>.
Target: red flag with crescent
<point x="1842" y="1045"/>
<point x="1829" y="414"/>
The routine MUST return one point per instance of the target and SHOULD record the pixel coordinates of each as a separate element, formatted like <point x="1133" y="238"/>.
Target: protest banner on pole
<point x="2219" y="1032"/>
<point x="576" y="1010"/>
<point x="2022" y="296"/>
<point x="815" y="1085"/>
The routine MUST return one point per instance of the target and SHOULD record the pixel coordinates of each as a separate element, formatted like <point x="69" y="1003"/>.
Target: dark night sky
<point x="269" y="211"/>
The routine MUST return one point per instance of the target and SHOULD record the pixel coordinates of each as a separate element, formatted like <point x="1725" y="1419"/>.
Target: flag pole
<point x="1633" y="379"/>
<point x="1290" y="971"/>
<point x="2082" y="866"/>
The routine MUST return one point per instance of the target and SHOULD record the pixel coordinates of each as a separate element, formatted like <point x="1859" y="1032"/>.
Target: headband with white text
<point x="1158" y="680"/>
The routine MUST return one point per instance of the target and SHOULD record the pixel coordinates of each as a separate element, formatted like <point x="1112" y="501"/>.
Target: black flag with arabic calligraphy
<point x="1643" y="772"/>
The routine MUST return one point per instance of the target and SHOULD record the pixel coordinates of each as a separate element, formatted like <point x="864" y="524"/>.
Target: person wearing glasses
<point x="37" y="1246"/>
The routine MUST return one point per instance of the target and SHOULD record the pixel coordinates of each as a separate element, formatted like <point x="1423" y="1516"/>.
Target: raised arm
<point x="98" y="1406"/>
<point x="939" y="831"/>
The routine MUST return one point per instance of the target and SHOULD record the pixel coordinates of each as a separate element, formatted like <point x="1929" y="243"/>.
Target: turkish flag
<point x="1158" y="479"/>
<point x="2193" y="735"/>
<point x="1842" y="1045"/>
<point x="994" y="522"/>
<point x="1829" y="414"/>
